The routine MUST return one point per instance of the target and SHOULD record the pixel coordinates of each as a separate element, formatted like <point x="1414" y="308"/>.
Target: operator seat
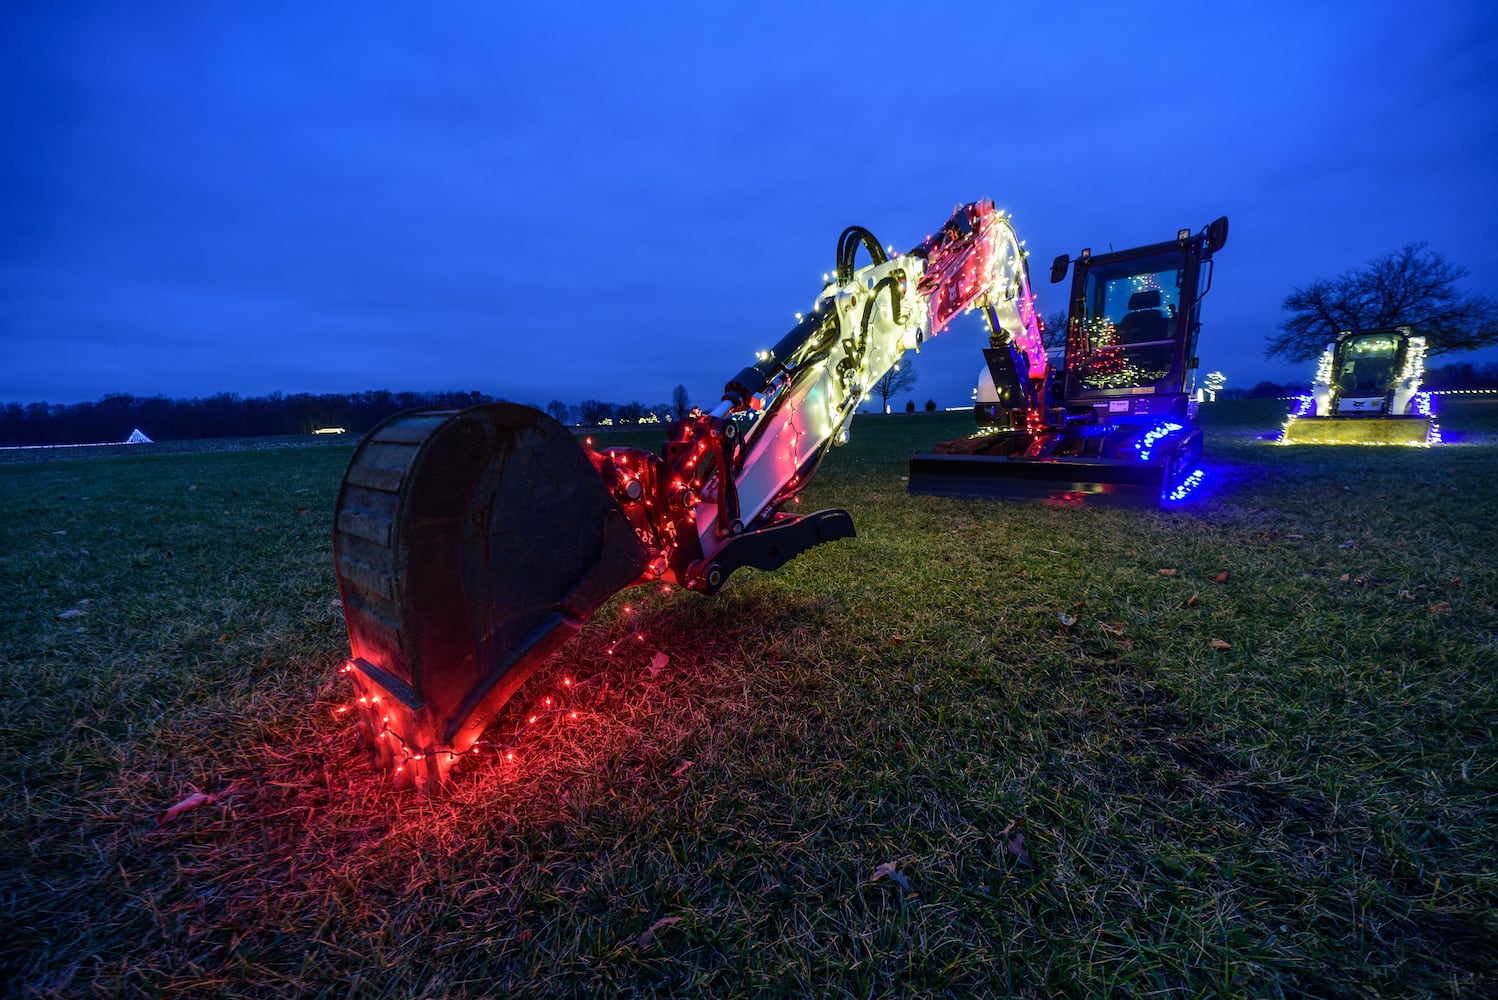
<point x="1144" y="321"/>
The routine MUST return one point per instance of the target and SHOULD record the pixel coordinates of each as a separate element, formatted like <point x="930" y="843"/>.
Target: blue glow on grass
<point x="1186" y="486"/>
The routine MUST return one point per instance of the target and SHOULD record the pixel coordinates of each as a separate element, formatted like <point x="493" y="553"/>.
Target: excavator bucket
<point x="469" y="545"/>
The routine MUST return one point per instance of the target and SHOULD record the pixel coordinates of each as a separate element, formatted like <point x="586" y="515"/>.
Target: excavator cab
<point x="1123" y="430"/>
<point x="1367" y="391"/>
<point x="1131" y="339"/>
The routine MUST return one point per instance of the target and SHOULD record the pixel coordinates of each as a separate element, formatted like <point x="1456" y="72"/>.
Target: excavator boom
<point x="470" y="545"/>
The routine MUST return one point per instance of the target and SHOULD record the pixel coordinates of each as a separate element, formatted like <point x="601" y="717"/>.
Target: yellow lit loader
<point x="1367" y="391"/>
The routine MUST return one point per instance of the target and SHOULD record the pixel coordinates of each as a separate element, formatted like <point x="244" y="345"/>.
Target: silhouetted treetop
<point x="1409" y="287"/>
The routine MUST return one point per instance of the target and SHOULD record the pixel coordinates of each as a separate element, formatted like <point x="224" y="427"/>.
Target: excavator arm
<point x="470" y="545"/>
<point x="713" y="501"/>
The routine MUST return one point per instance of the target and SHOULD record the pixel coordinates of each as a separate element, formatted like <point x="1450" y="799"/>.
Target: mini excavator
<point x="469" y="545"/>
<point x="1123" y="431"/>
<point x="1367" y="391"/>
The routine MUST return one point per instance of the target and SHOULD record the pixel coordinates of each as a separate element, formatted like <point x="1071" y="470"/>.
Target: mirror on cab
<point x="1217" y="234"/>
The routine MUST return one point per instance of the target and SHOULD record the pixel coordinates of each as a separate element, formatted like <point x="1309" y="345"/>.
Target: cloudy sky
<point x="570" y="201"/>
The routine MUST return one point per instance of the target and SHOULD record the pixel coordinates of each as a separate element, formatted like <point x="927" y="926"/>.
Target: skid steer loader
<point x="1367" y="391"/>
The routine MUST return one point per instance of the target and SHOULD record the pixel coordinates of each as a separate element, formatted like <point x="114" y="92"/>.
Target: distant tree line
<point x="223" y="415"/>
<point x="1462" y="376"/>
<point x="231" y="415"/>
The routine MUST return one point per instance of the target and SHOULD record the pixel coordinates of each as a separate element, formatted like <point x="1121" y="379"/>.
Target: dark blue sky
<point x="593" y="200"/>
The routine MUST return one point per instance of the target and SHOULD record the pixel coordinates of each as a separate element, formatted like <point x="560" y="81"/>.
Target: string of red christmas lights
<point x="550" y="706"/>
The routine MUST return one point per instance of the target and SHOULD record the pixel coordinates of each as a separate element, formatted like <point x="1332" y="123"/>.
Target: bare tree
<point x="1053" y="330"/>
<point x="898" y="379"/>
<point x="681" y="401"/>
<point x="595" y="411"/>
<point x="558" y="411"/>
<point x="1409" y="287"/>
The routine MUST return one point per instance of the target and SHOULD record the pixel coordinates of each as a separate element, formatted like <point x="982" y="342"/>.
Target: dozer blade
<point x="469" y="546"/>
<point x="1066" y="481"/>
<point x="1412" y="431"/>
<point x="1024" y="465"/>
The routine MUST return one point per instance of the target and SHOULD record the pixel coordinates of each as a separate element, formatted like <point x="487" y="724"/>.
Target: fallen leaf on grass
<point x="1405" y="595"/>
<point x="1166" y="572"/>
<point x="1111" y="629"/>
<point x="1066" y="619"/>
<point x="649" y="934"/>
<point x="70" y="613"/>
<point x="1345" y="577"/>
<point x="658" y="663"/>
<point x="187" y="805"/>
<point x="1439" y="607"/>
<point x="1219" y="645"/>
<point x="1456" y="581"/>
<point x="1015" y="845"/>
<point x="1222" y="577"/>
<point x="1193" y="600"/>
<point x="891" y="869"/>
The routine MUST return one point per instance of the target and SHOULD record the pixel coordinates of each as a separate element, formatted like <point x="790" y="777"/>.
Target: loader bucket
<point x="1415" y="431"/>
<point x="469" y="545"/>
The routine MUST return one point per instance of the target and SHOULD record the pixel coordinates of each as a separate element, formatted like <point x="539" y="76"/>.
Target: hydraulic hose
<point x="757" y="377"/>
<point x="847" y="249"/>
<point x="889" y="281"/>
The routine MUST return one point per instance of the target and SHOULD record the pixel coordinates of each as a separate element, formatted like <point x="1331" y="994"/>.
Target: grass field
<point x="984" y="749"/>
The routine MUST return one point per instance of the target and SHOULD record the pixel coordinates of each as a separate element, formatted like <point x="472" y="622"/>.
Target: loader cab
<point x="1364" y="370"/>
<point x="1132" y="332"/>
<point x="1370" y="373"/>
